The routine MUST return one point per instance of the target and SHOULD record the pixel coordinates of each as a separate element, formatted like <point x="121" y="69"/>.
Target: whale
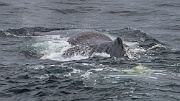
<point x="90" y="42"/>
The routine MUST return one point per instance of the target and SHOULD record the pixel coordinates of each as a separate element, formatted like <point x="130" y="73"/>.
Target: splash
<point x="52" y="47"/>
<point x="133" y="50"/>
<point x="101" y="54"/>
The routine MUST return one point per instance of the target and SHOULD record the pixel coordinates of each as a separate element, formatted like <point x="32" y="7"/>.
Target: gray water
<point x="31" y="68"/>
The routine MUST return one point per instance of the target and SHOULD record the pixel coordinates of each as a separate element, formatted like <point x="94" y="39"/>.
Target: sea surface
<point x="32" y="67"/>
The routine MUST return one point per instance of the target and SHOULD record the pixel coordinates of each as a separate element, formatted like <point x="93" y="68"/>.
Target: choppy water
<point x="32" y="69"/>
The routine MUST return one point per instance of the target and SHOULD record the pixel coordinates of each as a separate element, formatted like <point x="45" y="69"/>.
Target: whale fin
<point x="117" y="48"/>
<point x="119" y="41"/>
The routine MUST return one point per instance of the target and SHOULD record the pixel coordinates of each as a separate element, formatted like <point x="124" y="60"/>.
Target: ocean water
<point x="32" y="67"/>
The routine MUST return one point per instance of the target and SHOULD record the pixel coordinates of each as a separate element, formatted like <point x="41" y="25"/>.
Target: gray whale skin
<point x="87" y="43"/>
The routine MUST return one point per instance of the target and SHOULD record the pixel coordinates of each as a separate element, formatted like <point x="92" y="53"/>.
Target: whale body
<point x="87" y="43"/>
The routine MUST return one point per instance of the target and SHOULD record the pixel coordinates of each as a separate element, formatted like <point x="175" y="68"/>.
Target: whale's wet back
<point x="95" y="42"/>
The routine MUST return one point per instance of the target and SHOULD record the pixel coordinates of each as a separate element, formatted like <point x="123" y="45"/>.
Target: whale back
<point x="95" y="42"/>
<point x="88" y="38"/>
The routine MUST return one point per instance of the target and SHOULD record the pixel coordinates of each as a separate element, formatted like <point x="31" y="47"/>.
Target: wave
<point x="52" y="42"/>
<point x="26" y="31"/>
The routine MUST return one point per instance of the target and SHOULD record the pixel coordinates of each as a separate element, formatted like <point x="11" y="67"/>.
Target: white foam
<point x="36" y="67"/>
<point x="53" y="46"/>
<point x="101" y="54"/>
<point x="157" y="46"/>
<point x="133" y="49"/>
<point x="86" y="74"/>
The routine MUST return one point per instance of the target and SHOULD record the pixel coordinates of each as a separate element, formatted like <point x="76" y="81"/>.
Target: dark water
<point x="32" y="69"/>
